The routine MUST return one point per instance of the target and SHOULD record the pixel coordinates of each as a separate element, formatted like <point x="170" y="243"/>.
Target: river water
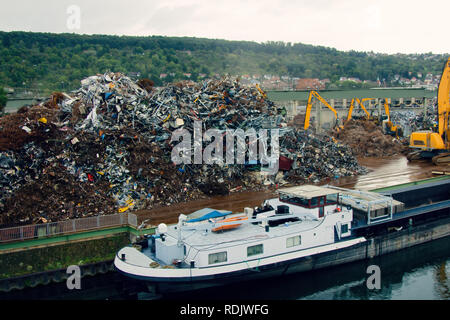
<point x="417" y="273"/>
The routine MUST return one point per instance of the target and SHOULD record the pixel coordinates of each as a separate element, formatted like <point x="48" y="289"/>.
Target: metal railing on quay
<point x="64" y="227"/>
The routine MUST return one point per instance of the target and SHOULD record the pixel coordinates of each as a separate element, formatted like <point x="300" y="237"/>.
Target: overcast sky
<point x="389" y="26"/>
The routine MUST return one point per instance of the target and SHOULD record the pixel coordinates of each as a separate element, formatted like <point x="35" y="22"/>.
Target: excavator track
<point x="415" y="155"/>
<point x="440" y="159"/>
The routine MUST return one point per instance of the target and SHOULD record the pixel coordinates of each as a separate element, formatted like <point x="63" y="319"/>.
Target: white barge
<point x="221" y="248"/>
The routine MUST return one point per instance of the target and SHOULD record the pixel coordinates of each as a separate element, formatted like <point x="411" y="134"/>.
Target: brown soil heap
<point x="13" y="133"/>
<point x="366" y="139"/>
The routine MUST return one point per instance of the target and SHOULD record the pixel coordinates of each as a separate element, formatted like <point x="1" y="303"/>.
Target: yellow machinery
<point x="388" y="126"/>
<point x="309" y="106"/>
<point x="361" y="103"/>
<point x="261" y="91"/>
<point x="435" y="145"/>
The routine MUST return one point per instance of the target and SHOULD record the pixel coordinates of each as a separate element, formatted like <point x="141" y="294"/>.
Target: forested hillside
<point x="59" y="61"/>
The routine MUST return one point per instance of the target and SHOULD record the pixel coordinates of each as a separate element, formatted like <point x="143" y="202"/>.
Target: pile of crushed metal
<point x="307" y="157"/>
<point x="366" y="139"/>
<point x="410" y="121"/>
<point x="106" y="148"/>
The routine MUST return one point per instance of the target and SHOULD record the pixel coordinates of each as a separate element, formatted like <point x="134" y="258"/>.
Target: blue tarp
<point x="209" y="214"/>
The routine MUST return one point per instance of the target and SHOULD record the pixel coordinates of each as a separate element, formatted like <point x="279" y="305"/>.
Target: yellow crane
<point x="430" y="144"/>
<point x="309" y="107"/>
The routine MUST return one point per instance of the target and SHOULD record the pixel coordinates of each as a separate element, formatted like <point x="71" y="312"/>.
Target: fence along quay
<point x="66" y="227"/>
<point x="39" y="254"/>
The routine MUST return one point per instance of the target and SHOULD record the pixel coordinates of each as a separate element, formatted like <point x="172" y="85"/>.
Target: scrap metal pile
<point x="366" y="139"/>
<point x="106" y="148"/>
<point x="316" y="157"/>
<point x="411" y="121"/>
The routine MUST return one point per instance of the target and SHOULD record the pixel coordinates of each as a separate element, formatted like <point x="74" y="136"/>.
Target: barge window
<point x="332" y="198"/>
<point x="344" y="228"/>
<point x="321" y="212"/>
<point x="294" y="200"/>
<point x="217" y="257"/>
<point x="293" y="241"/>
<point x="253" y="250"/>
<point x="317" y="201"/>
<point x="301" y="201"/>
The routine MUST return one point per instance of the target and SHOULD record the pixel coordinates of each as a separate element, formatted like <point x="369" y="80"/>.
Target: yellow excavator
<point x="361" y="103"/>
<point x="430" y="144"/>
<point x="388" y="126"/>
<point x="309" y="106"/>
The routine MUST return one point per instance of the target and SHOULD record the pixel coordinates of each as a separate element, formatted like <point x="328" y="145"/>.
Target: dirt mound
<point x="367" y="139"/>
<point x="32" y="124"/>
<point x="146" y="84"/>
<point x="56" y="195"/>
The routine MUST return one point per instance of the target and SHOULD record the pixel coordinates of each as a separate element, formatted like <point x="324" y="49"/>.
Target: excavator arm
<point x="261" y="91"/>
<point x="391" y="129"/>
<point x="309" y="107"/>
<point x="444" y="104"/>
<point x="361" y="103"/>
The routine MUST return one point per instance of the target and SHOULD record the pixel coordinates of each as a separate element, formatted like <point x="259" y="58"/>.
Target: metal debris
<point x="105" y="148"/>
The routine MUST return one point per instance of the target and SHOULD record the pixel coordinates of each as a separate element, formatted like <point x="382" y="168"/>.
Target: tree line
<point x="59" y="61"/>
<point x="3" y="99"/>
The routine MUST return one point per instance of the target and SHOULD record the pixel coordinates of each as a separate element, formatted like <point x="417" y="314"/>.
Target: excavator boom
<point x="361" y="103"/>
<point x="444" y="103"/>
<point x="391" y="129"/>
<point x="309" y="107"/>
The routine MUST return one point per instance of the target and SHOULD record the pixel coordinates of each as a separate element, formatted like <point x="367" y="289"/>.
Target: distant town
<point x="287" y="83"/>
<point x="268" y="82"/>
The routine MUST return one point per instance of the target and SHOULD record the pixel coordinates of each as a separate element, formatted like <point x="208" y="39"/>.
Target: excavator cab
<point x="431" y="144"/>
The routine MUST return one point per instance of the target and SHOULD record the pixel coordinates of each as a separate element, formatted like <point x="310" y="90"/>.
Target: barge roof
<point x="247" y="231"/>
<point x="308" y="191"/>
